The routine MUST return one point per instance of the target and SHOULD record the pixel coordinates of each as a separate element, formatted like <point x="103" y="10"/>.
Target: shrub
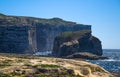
<point x="49" y="66"/>
<point x="4" y="75"/>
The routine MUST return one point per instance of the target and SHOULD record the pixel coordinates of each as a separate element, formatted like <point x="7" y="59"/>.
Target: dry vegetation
<point x="12" y="65"/>
<point x="18" y="20"/>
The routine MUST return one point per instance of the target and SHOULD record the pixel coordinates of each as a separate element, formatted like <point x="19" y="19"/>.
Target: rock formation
<point x="19" y="34"/>
<point x="85" y="55"/>
<point x="69" y="43"/>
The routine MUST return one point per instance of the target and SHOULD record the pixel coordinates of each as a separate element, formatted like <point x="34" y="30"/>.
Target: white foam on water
<point x="44" y="53"/>
<point x="109" y="60"/>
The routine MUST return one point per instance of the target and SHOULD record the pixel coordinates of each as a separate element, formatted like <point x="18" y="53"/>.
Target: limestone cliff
<point x="13" y="39"/>
<point x="69" y="43"/>
<point x="19" y="34"/>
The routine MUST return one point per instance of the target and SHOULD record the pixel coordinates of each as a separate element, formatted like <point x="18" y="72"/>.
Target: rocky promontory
<point x="69" y="43"/>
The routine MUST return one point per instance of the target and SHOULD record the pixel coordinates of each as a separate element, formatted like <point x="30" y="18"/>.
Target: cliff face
<point x="20" y="34"/>
<point x="69" y="43"/>
<point x="13" y="39"/>
<point x="46" y="34"/>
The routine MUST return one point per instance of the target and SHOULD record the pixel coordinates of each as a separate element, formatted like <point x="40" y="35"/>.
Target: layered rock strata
<point x="19" y="34"/>
<point x="69" y="43"/>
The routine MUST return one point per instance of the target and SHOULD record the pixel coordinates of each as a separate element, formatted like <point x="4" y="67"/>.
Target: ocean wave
<point x="110" y="60"/>
<point x="112" y="64"/>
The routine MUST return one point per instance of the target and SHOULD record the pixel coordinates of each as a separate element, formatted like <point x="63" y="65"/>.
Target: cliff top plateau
<point x="6" y="20"/>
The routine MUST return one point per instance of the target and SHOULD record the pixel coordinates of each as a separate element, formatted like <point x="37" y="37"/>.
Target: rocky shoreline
<point x="86" y="55"/>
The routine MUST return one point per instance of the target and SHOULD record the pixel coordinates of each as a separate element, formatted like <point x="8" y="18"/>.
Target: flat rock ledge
<point x="85" y="55"/>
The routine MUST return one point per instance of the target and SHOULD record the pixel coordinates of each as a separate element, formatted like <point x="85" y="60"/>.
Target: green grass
<point x="42" y="65"/>
<point x="74" y="34"/>
<point x="46" y="66"/>
<point x="28" y="65"/>
<point x="4" y="75"/>
<point x="2" y="15"/>
<point x="16" y="20"/>
<point x="49" y="66"/>
<point x="19" y="60"/>
<point x="5" y="63"/>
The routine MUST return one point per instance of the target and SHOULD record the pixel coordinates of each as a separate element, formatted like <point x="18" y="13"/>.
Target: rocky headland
<point x="69" y="43"/>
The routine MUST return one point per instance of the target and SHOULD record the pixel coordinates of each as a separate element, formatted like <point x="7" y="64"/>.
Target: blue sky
<point x="103" y="15"/>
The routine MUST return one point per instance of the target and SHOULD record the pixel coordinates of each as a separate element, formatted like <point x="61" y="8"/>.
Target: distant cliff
<point x="69" y="43"/>
<point x="19" y="34"/>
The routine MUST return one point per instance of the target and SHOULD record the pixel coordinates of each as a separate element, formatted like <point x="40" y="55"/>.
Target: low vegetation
<point x="12" y="65"/>
<point x="73" y="34"/>
<point x="4" y="75"/>
<point x="5" y="63"/>
<point x="21" y="20"/>
<point x="49" y="66"/>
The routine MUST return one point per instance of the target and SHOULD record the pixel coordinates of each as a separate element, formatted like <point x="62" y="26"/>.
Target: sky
<point x="103" y="15"/>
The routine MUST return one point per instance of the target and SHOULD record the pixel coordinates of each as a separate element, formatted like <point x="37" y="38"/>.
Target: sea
<point x="113" y="63"/>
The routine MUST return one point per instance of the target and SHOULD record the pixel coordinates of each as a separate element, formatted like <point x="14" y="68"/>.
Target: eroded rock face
<point x="74" y="42"/>
<point x="45" y="34"/>
<point x="20" y="34"/>
<point x="14" y="39"/>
